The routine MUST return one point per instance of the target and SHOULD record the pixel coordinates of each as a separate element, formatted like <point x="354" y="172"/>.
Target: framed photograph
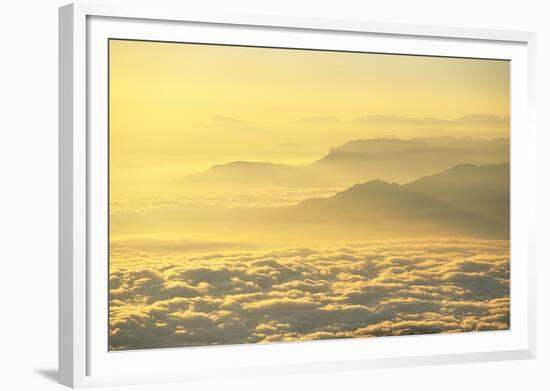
<point x="265" y="195"/>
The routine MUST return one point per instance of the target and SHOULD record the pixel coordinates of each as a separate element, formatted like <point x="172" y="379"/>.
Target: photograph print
<point x="261" y="195"/>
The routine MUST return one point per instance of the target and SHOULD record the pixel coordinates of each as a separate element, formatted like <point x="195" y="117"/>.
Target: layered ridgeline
<point x="357" y="161"/>
<point x="466" y="200"/>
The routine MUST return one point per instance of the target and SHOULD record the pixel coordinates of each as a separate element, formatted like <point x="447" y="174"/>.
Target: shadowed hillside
<point x="484" y="190"/>
<point x="467" y="200"/>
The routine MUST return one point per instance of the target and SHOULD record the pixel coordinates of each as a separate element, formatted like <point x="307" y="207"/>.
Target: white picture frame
<point x="84" y="359"/>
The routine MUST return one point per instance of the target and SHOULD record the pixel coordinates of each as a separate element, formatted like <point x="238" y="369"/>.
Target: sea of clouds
<point x="160" y="297"/>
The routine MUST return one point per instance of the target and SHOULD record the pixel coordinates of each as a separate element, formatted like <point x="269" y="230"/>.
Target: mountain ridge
<point x="395" y="160"/>
<point x="416" y="203"/>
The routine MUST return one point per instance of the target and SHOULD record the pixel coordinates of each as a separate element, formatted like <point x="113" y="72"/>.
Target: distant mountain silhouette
<point x="405" y="160"/>
<point x="393" y="160"/>
<point x="249" y="174"/>
<point x="467" y="200"/>
<point x="469" y="120"/>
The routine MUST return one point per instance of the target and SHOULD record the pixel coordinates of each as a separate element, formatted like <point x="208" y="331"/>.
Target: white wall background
<point x="28" y="193"/>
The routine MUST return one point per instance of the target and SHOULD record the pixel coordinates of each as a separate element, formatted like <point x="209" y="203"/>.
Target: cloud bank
<point x="168" y="299"/>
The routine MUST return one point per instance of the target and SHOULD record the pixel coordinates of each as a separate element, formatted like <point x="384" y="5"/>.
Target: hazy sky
<point x="176" y="109"/>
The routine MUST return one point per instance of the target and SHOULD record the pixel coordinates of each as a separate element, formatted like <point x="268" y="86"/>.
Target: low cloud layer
<point x="165" y="299"/>
<point x="267" y="197"/>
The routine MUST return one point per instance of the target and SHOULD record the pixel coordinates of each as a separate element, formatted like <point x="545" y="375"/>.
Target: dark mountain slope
<point x="483" y="190"/>
<point x="378" y="207"/>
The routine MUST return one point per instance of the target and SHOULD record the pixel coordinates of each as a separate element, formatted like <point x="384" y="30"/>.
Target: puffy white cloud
<point x="166" y="298"/>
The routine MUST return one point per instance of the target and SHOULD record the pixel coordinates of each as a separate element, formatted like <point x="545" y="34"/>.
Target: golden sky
<point x="176" y="109"/>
